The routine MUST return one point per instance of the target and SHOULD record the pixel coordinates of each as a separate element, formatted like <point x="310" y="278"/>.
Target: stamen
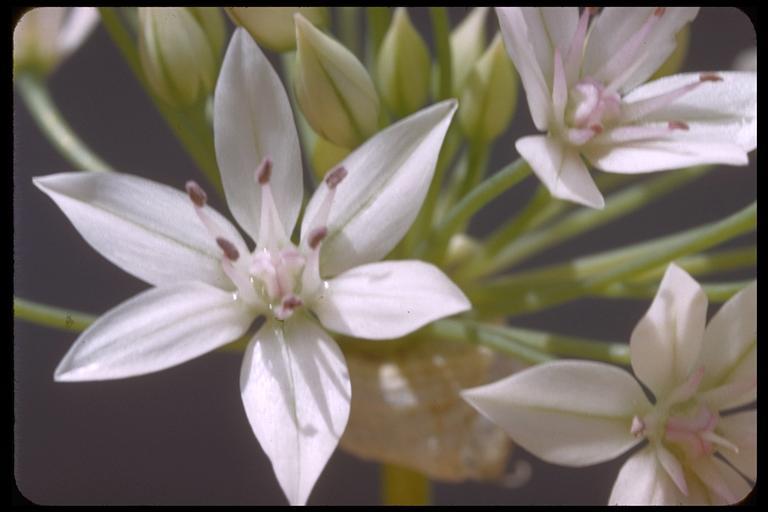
<point x="579" y="136"/>
<point x="316" y="236"/>
<point x="710" y="77"/>
<point x="287" y="307"/>
<point x="678" y="125"/>
<point x="596" y="128"/>
<point x="659" y="11"/>
<point x="335" y="177"/>
<point x="576" y="48"/>
<point x="638" y="427"/>
<point x="721" y="441"/>
<point x="264" y="171"/>
<point x="631" y="133"/>
<point x="196" y="193"/>
<point x="230" y="251"/>
<point x="241" y="281"/>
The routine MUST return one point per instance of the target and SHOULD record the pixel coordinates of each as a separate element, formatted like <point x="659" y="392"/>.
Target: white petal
<point x="573" y="413"/>
<point x="296" y="392"/>
<point x="643" y="481"/>
<point x="560" y="169"/>
<point x="253" y="120"/>
<point x="147" y="229"/>
<point x="739" y="487"/>
<point x="387" y="299"/>
<point x="615" y="25"/>
<point x="666" y="342"/>
<point x="724" y="485"/>
<point x="388" y="177"/>
<point x="520" y="40"/>
<point x="723" y="111"/>
<point x="155" y="330"/>
<point x="77" y="27"/>
<point x="741" y="430"/>
<point x="729" y="337"/>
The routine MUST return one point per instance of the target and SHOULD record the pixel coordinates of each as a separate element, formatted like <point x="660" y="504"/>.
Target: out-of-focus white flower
<point x="578" y="413"/>
<point x="209" y="287"/>
<point x="746" y="60"/>
<point x="273" y="26"/>
<point x="584" y="88"/>
<point x="180" y="50"/>
<point x="46" y="35"/>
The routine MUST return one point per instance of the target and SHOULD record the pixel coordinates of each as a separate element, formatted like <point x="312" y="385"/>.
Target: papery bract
<point x="210" y="286"/>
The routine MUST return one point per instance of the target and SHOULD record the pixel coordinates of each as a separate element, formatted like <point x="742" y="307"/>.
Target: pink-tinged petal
<point x="643" y="481"/>
<point x="387" y="299"/>
<point x="155" y="330"/>
<point x="252" y="120"/>
<point x="719" y="107"/>
<point x="560" y="169"/>
<point x="724" y="485"/>
<point x="573" y="413"/>
<point x="730" y="336"/>
<point x="741" y="430"/>
<point x="386" y="181"/>
<point x="615" y="27"/>
<point x="296" y="393"/>
<point x="520" y="39"/>
<point x="666" y="342"/>
<point x="147" y="229"/>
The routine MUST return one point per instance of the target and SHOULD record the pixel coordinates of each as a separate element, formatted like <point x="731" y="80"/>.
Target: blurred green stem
<point x="49" y="316"/>
<point x="441" y="32"/>
<point x="403" y="486"/>
<point x="36" y="96"/>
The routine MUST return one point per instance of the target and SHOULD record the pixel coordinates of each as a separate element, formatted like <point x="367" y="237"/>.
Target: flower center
<point x="591" y="105"/>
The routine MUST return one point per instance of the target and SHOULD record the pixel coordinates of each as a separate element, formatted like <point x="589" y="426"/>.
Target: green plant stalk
<point x="481" y="195"/>
<point x="441" y="32"/>
<point x="716" y="292"/>
<point x="37" y="98"/>
<point x="565" y="346"/>
<point x="618" y="205"/>
<point x="514" y="295"/>
<point x="403" y="486"/>
<point x="189" y="125"/>
<point x="477" y="158"/>
<point x="50" y="316"/>
<point x="480" y="334"/>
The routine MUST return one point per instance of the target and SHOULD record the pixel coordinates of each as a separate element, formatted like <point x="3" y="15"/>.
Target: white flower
<point x="209" y="287"/>
<point x="584" y="89"/>
<point x="578" y="413"/>
<point x="46" y="35"/>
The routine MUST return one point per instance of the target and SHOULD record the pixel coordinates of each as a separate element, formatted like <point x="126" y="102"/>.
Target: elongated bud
<point x="325" y="155"/>
<point x="180" y="51"/>
<point x="333" y="88"/>
<point x="467" y="45"/>
<point x="273" y="26"/>
<point x="490" y="95"/>
<point x="403" y="66"/>
<point x="675" y="60"/>
<point x="45" y="36"/>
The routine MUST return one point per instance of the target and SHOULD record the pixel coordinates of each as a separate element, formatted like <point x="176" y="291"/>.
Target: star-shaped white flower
<point x="584" y="88"/>
<point x="578" y="413"/>
<point x="209" y="287"/>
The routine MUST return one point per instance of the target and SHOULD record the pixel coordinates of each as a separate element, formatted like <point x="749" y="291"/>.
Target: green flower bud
<point x="467" y="45"/>
<point x="490" y="95"/>
<point x="45" y="36"/>
<point x="403" y="66"/>
<point x="675" y="61"/>
<point x="325" y="156"/>
<point x="180" y="51"/>
<point x="333" y="89"/>
<point x="273" y="26"/>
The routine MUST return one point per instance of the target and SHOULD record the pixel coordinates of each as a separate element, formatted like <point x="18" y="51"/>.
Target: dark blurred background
<point x="181" y="436"/>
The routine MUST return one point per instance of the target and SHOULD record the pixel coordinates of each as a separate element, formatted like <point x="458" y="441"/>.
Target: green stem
<point x="378" y="23"/>
<point x="403" y="486"/>
<point x="480" y="334"/>
<point x="48" y="118"/>
<point x="525" y="293"/>
<point x="481" y="195"/>
<point x="441" y="32"/>
<point x="49" y="316"/>
<point x="582" y="220"/>
<point x="189" y="125"/>
<point x="477" y="157"/>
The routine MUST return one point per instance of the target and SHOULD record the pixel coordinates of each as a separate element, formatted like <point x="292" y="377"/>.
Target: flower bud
<point x="490" y="95"/>
<point x="403" y="66"/>
<point x="467" y="45"/>
<point x="45" y="36"/>
<point x="273" y="26"/>
<point x="325" y="156"/>
<point x="675" y="60"/>
<point x="333" y="89"/>
<point x="180" y="51"/>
